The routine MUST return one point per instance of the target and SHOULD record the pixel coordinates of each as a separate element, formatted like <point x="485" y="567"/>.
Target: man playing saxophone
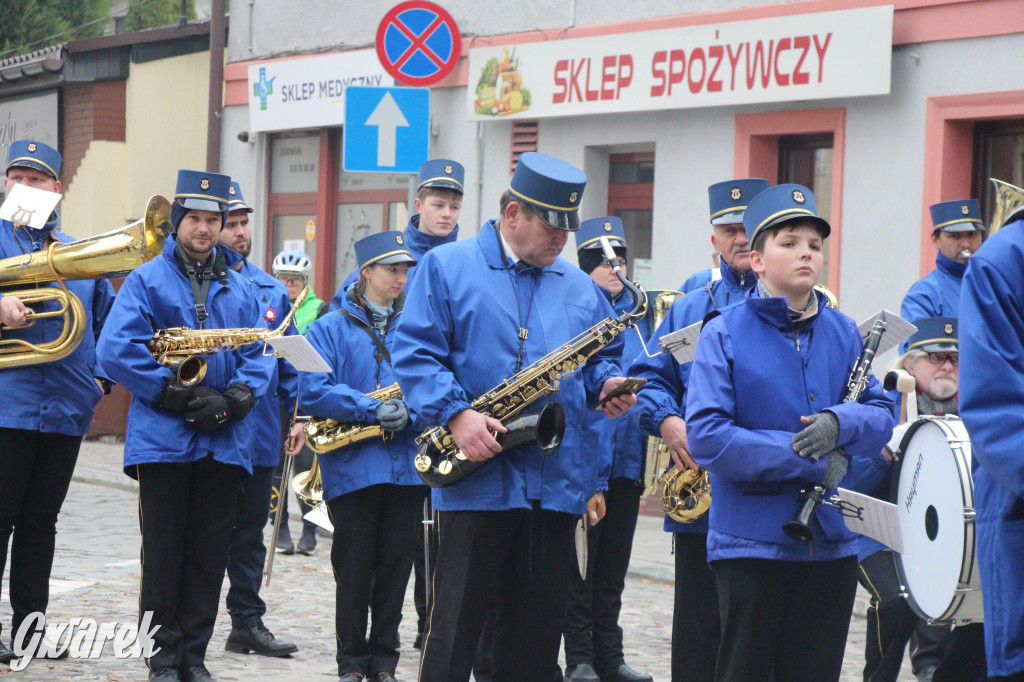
<point x="187" y="445"/>
<point x="40" y="431"/>
<point x="482" y="310"/>
<point x="371" y="488"/>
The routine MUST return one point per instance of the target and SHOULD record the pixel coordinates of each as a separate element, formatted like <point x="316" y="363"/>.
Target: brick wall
<point x="92" y="111"/>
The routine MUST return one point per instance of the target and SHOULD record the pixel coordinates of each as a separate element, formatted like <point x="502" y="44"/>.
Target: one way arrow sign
<point x="387" y="130"/>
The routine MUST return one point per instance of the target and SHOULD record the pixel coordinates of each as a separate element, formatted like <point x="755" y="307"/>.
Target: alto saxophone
<point x="324" y="435"/>
<point x="182" y="348"/>
<point x="439" y="461"/>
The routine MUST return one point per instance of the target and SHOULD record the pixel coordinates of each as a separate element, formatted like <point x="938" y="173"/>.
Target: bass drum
<point x="934" y="491"/>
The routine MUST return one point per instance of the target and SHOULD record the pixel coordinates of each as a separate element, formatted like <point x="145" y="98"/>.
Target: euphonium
<point x="1009" y="202"/>
<point x="324" y="435"/>
<point x="110" y="254"/>
<point x="182" y="348"/>
<point x="439" y="461"/>
<point x="308" y="485"/>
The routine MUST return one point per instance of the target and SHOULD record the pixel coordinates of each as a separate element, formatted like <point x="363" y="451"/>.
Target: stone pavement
<point x="96" y="576"/>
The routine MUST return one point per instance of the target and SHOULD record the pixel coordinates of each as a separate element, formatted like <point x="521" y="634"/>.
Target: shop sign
<point x="309" y="92"/>
<point x="845" y="53"/>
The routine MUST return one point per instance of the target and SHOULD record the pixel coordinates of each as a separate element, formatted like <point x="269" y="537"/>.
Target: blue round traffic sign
<point x="418" y="42"/>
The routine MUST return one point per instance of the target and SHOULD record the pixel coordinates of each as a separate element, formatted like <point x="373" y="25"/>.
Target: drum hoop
<point x="968" y="561"/>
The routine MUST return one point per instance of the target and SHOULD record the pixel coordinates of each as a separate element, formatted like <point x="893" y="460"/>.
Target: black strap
<point x="523" y="332"/>
<point x="199" y="276"/>
<point x="378" y="342"/>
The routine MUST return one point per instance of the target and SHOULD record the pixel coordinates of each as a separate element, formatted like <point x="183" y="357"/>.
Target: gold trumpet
<point x="110" y="254"/>
<point x="182" y="348"/>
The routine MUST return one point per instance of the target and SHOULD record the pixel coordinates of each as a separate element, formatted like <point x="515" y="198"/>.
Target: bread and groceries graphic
<point x="500" y="91"/>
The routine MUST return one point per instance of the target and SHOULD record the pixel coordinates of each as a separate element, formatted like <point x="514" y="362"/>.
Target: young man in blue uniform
<point x="764" y="415"/>
<point x="438" y="204"/>
<point x="593" y="638"/>
<point x="695" y="623"/>
<point x="370" y="486"/>
<point x="992" y="407"/>
<point x="932" y="358"/>
<point x="247" y="554"/>
<point x="188" y="446"/>
<point x="480" y="311"/>
<point x="957" y="232"/>
<point x="51" y="404"/>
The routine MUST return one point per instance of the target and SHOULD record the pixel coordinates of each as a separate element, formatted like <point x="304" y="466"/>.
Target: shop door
<point x="354" y="222"/>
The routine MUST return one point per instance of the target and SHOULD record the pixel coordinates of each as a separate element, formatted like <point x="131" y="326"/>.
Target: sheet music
<point x="896" y="329"/>
<point x="876" y="519"/>
<point x="682" y="344"/>
<point x="300" y="353"/>
<point x="29" y="206"/>
<point x="320" y="517"/>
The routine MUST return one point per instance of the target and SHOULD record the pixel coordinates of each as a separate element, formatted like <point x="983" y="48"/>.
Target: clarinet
<point x="799" y="528"/>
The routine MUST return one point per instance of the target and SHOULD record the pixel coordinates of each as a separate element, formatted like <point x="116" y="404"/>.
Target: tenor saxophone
<point x="182" y="348"/>
<point x="439" y="462"/>
<point x="324" y="434"/>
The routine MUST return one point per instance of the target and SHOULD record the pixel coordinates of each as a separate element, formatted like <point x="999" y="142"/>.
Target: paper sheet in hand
<point x="877" y="519"/>
<point x="320" y="517"/>
<point x="682" y="344"/>
<point x="28" y="206"/>
<point x="300" y="353"/>
<point x="896" y="329"/>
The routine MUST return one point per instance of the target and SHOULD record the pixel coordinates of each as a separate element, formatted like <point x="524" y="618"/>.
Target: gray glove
<point x="393" y="415"/>
<point x="835" y="468"/>
<point x="818" y="437"/>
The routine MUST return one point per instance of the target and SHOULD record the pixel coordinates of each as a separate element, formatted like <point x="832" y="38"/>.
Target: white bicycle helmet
<point x="292" y="263"/>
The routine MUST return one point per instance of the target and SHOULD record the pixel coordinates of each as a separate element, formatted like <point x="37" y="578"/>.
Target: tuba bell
<point x="111" y="254"/>
<point x="1009" y="204"/>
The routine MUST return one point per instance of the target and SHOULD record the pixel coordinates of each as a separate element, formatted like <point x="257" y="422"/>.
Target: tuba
<point x="110" y="254"/>
<point x="1009" y="204"/>
<point x="439" y="461"/>
<point x="182" y="348"/>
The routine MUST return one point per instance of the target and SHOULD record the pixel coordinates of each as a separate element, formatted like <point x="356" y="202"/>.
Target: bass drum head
<point x="933" y="488"/>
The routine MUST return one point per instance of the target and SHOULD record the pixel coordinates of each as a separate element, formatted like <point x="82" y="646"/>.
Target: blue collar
<point x="735" y="279"/>
<point x="949" y="266"/>
<point x="775" y="310"/>
<point x="420" y="242"/>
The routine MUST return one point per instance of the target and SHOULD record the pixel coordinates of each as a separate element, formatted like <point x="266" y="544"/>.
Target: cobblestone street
<point x="96" y="576"/>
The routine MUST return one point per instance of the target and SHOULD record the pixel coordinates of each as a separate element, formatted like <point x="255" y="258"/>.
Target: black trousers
<point x="247" y="554"/>
<point x="964" y="660"/>
<point x="186" y="512"/>
<point x="892" y="624"/>
<point x="35" y="472"/>
<point x="372" y="553"/>
<point x="518" y="560"/>
<point x="592" y="633"/>
<point x="696" y="625"/>
<point x="790" y="617"/>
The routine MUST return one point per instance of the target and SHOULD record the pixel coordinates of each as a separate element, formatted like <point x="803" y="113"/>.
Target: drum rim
<point x="961" y="457"/>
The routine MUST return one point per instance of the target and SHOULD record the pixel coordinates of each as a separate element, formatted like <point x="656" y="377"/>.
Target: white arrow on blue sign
<point x="387" y="130"/>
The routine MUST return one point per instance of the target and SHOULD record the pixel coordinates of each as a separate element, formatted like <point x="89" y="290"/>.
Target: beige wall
<point x="166" y="107"/>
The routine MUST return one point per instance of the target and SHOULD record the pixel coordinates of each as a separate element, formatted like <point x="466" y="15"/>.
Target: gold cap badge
<point x="964" y="209"/>
<point x="231" y="190"/>
<point x="736" y="194"/>
<point x="607" y="226"/>
<point x="399" y="240"/>
<point x="798" y="196"/>
<point x="32" y="147"/>
<point x="949" y="328"/>
<point x="573" y="197"/>
<point x="448" y="169"/>
<point x="204" y="184"/>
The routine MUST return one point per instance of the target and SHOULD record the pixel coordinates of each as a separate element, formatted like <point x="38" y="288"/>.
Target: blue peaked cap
<point x="552" y="188"/>
<point x="781" y="204"/>
<point x="236" y="202"/>
<point x="442" y="173"/>
<point x="729" y="199"/>
<point x="37" y="155"/>
<point x="935" y="335"/>
<point x="383" y="248"/>
<point x="960" y="215"/>
<point x="592" y="230"/>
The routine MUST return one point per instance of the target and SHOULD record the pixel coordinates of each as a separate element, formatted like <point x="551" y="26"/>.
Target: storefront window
<point x="807" y="160"/>
<point x="631" y="198"/>
<point x="293" y="164"/>
<point x="999" y="154"/>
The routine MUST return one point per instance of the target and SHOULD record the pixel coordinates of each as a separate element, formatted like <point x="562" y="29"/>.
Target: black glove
<point x="208" y="410"/>
<point x="175" y="396"/>
<point x="819" y="437"/>
<point x="393" y="415"/>
<point x="241" y="399"/>
<point x="835" y="468"/>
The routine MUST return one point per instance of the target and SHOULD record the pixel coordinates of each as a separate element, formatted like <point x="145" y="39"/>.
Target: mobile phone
<point x="630" y="385"/>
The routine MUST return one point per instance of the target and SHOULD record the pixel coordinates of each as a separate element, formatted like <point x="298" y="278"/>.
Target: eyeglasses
<point x="611" y="264"/>
<point x="940" y="358"/>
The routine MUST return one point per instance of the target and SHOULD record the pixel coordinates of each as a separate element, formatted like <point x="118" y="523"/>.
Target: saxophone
<point x="182" y="348"/>
<point x="324" y="435"/>
<point x="439" y="461"/>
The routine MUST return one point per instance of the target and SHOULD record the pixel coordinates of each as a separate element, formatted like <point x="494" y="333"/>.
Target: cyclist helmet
<point x="292" y="263"/>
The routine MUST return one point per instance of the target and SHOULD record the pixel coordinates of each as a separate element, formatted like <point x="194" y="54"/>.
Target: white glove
<point x="897" y="437"/>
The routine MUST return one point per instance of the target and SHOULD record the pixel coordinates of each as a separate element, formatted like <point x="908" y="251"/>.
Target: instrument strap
<point x="378" y="341"/>
<point x="523" y="332"/>
<point x="199" y="276"/>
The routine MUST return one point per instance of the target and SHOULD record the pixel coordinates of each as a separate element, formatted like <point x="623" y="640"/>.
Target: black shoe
<point x="926" y="673"/>
<point x="626" y="674"/>
<point x="6" y="655"/>
<point x="584" y="672"/>
<point x="165" y="674"/>
<point x="255" y="637"/>
<point x="383" y="676"/>
<point x="196" y="673"/>
<point x="284" y="540"/>
<point x="351" y="677"/>
<point x="417" y="643"/>
<point x="307" y="543"/>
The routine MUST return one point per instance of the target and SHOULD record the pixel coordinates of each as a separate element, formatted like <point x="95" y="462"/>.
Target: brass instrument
<point x="439" y="461"/>
<point x="308" y="485"/>
<point x="656" y="456"/>
<point x="1009" y="204"/>
<point x="110" y="254"/>
<point x="182" y="348"/>
<point x="324" y="435"/>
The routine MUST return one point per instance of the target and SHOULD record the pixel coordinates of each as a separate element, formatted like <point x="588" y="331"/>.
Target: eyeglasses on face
<point x="611" y="264"/>
<point x="940" y="358"/>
